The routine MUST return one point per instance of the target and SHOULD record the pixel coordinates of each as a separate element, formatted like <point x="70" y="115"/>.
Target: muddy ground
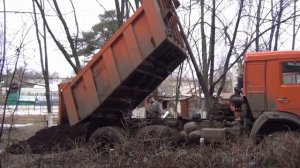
<point x="38" y="139"/>
<point x="26" y="141"/>
<point x="20" y="132"/>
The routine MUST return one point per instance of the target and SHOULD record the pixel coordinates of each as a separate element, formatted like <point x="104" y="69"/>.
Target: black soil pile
<point x="53" y="139"/>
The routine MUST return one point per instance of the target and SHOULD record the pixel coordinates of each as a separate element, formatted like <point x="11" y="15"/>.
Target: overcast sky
<point x="18" y="24"/>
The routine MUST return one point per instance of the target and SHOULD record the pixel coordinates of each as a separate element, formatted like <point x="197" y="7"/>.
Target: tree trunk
<point x="2" y="65"/>
<point x="46" y="77"/>
<point x="203" y="42"/>
<point x="44" y="63"/>
<point x="232" y="45"/>
<point x="137" y="3"/>
<point x="272" y="25"/>
<point x="120" y="11"/>
<point x="212" y="47"/>
<point x="3" y="59"/>
<point x="294" y="25"/>
<point x="278" y="25"/>
<point x="127" y="9"/>
<point x="204" y="87"/>
<point x="258" y="18"/>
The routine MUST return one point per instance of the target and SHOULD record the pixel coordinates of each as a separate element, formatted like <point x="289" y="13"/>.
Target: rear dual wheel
<point x="155" y="136"/>
<point x="105" y="139"/>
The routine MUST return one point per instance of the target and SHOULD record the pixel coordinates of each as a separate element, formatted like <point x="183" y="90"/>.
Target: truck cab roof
<point x="271" y="55"/>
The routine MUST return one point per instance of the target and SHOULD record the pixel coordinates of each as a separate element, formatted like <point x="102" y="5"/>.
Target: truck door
<point x="255" y="86"/>
<point x="284" y="92"/>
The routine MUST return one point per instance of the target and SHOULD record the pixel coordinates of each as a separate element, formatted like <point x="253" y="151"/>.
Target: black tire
<point x="104" y="139"/>
<point x="155" y="136"/>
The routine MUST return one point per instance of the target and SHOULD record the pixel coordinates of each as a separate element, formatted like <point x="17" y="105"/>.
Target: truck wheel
<point x="155" y="136"/>
<point x="105" y="139"/>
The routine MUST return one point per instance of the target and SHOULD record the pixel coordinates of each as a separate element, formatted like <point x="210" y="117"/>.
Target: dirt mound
<point x="56" y="138"/>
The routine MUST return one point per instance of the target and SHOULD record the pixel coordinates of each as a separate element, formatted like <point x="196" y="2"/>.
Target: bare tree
<point x="123" y="9"/>
<point x="74" y="54"/>
<point x="44" y="61"/>
<point x="3" y="47"/>
<point x="231" y="47"/>
<point x="212" y="41"/>
<point x="137" y="3"/>
<point x="2" y="61"/>
<point x="295" y="27"/>
<point x="272" y="24"/>
<point x="258" y="19"/>
<point x="277" y="12"/>
<point x="120" y="8"/>
<point x="203" y="43"/>
<point x="18" y="52"/>
<point x="280" y="10"/>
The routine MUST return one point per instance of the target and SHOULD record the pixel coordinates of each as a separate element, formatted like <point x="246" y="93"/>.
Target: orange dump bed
<point x="138" y="57"/>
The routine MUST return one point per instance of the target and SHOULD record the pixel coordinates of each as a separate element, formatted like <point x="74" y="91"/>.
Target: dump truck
<point x="145" y="50"/>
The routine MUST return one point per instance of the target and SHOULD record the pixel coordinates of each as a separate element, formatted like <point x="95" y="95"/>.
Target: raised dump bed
<point x="137" y="58"/>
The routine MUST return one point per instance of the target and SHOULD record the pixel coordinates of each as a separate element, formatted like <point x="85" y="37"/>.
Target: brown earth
<point x="50" y="139"/>
<point x="35" y="137"/>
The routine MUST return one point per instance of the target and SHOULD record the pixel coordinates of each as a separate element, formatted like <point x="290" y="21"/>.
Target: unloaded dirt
<point x="52" y="139"/>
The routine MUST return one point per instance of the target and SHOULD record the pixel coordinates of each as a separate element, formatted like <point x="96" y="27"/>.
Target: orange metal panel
<point x="255" y="86"/>
<point x="282" y="97"/>
<point x="143" y="35"/>
<point x="101" y="75"/>
<point x="271" y="55"/>
<point x="138" y="57"/>
<point x="70" y="105"/>
<point x="105" y="74"/>
<point x="62" y="111"/>
<point x="255" y="77"/>
<point x="85" y="95"/>
<point x="157" y="26"/>
<point x="133" y="47"/>
<point x="122" y="57"/>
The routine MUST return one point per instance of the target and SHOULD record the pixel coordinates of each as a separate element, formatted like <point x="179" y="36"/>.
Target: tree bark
<point x="204" y="87"/>
<point x="137" y="3"/>
<point x="203" y="43"/>
<point x="258" y="18"/>
<point x="212" y="46"/>
<point x="278" y="25"/>
<point x="272" y="25"/>
<point x="120" y="11"/>
<point x="3" y="59"/>
<point x="44" y="62"/>
<point x="294" y="25"/>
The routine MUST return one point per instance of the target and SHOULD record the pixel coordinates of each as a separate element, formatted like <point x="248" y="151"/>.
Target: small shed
<point x="186" y="106"/>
